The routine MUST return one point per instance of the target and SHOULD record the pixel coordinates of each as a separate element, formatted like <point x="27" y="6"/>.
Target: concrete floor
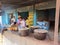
<point x="12" y="38"/>
<point x="1" y="39"/>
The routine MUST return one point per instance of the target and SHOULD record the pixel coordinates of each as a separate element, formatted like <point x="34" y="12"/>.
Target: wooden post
<point x="56" y="23"/>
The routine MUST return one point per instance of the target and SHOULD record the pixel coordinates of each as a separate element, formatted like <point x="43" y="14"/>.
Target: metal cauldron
<point x="24" y="32"/>
<point x="40" y="34"/>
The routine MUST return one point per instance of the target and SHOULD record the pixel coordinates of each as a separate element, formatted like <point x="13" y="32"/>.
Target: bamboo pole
<point x="56" y="23"/>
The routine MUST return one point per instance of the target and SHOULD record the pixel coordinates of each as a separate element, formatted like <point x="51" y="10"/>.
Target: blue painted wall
<point x="35" y="17"/>
<point x="5" y="17"/>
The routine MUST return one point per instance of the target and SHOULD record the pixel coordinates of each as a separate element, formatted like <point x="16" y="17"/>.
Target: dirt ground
<point x="12" y="38"/>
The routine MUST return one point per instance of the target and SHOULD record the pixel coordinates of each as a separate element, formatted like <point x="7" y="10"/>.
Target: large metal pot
<point x="24" y="32"/>
<point x="40" y="34"/>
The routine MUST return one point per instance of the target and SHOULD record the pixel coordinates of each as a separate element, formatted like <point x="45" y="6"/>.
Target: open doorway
<point x="24" y="15"/>
<point x="48" y="14"/>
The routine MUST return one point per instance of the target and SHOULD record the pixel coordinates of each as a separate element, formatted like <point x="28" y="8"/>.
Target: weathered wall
<point x="5" y="16"/>
<point x="46" y="5"/>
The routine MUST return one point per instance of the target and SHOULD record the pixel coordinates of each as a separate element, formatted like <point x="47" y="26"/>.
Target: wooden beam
<point x="56" y="23"/>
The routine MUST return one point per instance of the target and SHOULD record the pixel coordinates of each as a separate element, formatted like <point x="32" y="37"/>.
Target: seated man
<point x="40" y="24"/>
<point x="43" y="25"/>
<point x="14" y="24"/>
<point x="46" y="25"/>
